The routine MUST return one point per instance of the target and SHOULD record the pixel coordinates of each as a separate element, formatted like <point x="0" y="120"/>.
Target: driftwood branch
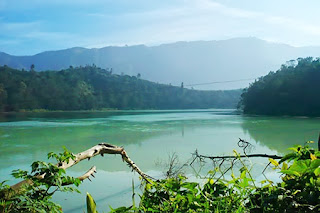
<point x="100" y="149"/>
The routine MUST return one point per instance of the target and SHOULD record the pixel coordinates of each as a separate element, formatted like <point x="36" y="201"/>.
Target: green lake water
<point x="147" y="136"/>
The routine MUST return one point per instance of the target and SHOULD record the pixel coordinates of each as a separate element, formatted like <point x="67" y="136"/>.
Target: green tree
<point x="292" y="90"/>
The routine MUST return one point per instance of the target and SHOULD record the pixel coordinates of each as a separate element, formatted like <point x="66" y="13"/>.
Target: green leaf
<point x="274" y="162"/>
<point x="284" y="166"/>
<point x="317" y="171"/>
<point x="189" y="185"/>
<point x="91" y="204"/>
<point x="288" y="157"/>
<point x="263" y="181"/>
<point x="293" y="149"/>
<point x="236" y="154"/>
<point x="297" y="191"/>
<point x="243" y="174"/>
<point x="288" y="172"/>
<point x="121" y="209"/>
<point x="315" y="164"/>
<point x="300" y="166"/>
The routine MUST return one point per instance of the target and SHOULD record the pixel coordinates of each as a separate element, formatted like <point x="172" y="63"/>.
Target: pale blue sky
<point x="31" y="26"/>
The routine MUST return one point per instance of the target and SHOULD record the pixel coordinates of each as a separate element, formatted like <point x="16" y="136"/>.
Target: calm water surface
<point x="148" y="137"/>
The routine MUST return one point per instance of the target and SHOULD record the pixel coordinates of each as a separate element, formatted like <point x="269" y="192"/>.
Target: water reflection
<point x="146" y="135"/>
<point x="141" y="134"/>
<point x="279" y="133"/>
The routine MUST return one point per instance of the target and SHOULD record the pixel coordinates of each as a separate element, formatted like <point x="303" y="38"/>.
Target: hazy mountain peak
<point x="191" y="62"/>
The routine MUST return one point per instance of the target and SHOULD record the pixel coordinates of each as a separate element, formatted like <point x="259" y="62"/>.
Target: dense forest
<point x="90" y="88"/>
<point x="292" y="90"/>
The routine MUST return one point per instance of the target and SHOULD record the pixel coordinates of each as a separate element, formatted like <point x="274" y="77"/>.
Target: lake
<point x="149" y="137"/>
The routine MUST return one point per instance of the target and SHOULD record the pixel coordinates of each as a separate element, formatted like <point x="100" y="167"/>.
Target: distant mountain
<point x="188" y="62"/>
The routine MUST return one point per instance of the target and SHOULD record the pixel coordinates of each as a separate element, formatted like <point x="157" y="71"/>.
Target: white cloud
<point x="168" y="21"/>
<point x="205" y="19"/>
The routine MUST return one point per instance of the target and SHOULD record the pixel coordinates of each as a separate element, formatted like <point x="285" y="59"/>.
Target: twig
<point x="244" y="145"/>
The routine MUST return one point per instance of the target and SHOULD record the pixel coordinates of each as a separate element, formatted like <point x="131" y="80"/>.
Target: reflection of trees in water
<point x="41" y="139"/>
<point x="281" y="133"/>
<point x="25" y="144"/>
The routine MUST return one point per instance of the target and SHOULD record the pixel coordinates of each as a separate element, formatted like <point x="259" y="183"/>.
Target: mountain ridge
<point x="190" y="62"/>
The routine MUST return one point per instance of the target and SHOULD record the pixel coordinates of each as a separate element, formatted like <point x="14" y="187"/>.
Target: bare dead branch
<point x="242" y="144"/>
<point x="89" y="173"/>
<point x="241" y="156"/>
<point x="100" y="149"/>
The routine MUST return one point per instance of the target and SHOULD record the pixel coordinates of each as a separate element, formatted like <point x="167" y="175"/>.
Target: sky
<point x="28" y="27"/>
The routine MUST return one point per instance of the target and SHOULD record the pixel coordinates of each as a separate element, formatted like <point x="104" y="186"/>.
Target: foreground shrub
<point x="298" y="190"/>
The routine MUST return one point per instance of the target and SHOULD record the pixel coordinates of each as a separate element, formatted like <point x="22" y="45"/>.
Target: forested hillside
<point x="90" y="87"/>
<point x="292" y="90"/>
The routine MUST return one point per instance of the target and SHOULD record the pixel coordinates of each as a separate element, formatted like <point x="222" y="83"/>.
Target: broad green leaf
<point x="300" y="166"/>
<point x="315" y="164"/>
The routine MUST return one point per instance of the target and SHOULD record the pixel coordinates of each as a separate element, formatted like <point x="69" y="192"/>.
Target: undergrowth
<point x="298" y="190"/>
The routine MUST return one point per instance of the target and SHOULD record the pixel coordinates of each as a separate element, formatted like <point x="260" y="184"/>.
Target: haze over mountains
<point x="189" y="62"/>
